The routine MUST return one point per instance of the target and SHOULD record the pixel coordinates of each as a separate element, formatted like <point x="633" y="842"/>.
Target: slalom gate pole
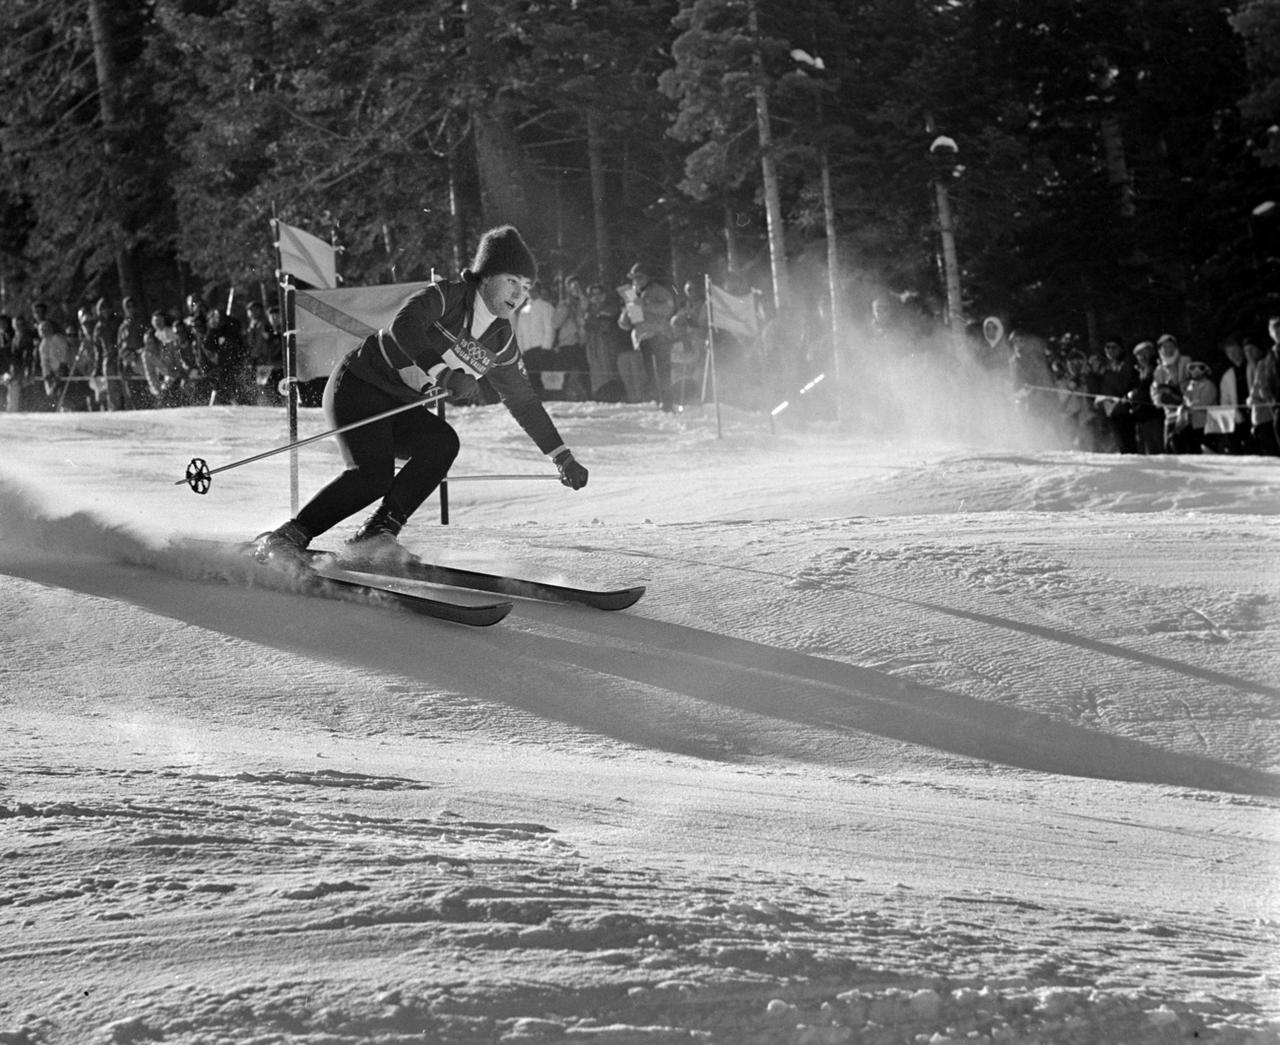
<point x="443" y="488"/>
<point x="711" y="354"/>
<point x="199" y="474"/>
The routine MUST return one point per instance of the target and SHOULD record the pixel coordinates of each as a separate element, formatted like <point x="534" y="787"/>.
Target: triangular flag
<point x="306" y="257"/>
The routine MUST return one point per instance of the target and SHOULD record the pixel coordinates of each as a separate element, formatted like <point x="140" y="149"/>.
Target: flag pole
<point x="291" y="378"/>
<point x="290" y="383"/>
<point x="711" y="353"/>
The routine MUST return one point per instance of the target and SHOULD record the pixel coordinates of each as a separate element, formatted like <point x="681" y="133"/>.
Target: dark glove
<point x="460" y="385"/>
<point x="572" y="474"/>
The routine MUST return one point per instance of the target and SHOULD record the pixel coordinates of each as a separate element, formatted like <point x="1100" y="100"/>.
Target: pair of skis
<point x="458" y="596"/>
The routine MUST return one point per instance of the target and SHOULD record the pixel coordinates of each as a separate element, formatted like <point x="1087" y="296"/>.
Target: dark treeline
<point x="1113" y="166"/>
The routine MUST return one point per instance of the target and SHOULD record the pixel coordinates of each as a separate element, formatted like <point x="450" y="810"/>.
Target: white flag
<point x="737" y="315"/>
<point x="1221" y="419"/>
<point x="330" y="323"/>
<point x="306" y="257"/>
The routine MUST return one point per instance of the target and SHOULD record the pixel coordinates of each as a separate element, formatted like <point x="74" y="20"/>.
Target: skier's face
<point x="504" y="293"/>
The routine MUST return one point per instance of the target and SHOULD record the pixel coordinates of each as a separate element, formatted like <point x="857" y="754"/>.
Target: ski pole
<point x="200" y="476"/>
<point x="489" y="478"/>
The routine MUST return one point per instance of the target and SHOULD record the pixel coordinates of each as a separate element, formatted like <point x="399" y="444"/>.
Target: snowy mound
<point x="905" y="743"/>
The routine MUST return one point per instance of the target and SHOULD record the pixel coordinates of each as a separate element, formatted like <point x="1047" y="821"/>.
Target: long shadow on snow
<point x="814" y="691"/>
<point x="520" y="665"/>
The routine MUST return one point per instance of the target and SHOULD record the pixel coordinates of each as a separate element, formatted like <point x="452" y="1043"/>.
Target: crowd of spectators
<point x="643" y="342"/>
<point x="623" y="344"/>
<point x="104" y="359"/>
<point x="1156" y="397"/>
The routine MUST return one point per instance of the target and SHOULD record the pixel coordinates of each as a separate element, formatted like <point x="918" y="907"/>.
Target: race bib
<point x="468" y="354"/>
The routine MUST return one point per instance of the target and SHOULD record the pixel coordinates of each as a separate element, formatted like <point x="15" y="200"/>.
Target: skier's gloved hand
<point x="460" y="385"/>
<point x="572" y="474"/>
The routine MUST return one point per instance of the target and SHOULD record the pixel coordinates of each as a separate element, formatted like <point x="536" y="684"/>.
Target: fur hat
<point x="503" y="250"/>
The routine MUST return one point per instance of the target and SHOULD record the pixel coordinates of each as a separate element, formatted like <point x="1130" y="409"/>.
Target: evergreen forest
<point x="1097" y="167"/>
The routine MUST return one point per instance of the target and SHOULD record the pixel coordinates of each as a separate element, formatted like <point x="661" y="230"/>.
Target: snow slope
<point x="906" y="743"/>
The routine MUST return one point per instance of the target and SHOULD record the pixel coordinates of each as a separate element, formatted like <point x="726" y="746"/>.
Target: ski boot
<point x="284" y="547"/>
<point x="375" y="542"/>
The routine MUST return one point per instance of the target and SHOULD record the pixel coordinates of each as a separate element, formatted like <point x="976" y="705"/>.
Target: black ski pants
<point x="427" y="445"/>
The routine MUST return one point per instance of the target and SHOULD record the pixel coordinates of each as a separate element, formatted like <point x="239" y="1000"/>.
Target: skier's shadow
<point x="757" y="679"/>
<point x="670" y="686"/>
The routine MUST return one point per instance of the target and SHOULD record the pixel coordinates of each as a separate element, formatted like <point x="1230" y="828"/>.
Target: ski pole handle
<point x="200" y="476"/>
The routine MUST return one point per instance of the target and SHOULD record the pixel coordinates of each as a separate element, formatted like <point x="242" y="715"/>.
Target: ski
<point x="499" y="584"/>
<point x="333" y="581"/>
<point x="377" y="591"/>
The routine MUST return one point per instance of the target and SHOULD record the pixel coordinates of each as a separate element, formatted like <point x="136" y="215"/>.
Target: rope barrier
<point x="1123" y="399"/>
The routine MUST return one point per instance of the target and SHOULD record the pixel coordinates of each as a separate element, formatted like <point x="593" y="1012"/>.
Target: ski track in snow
<point x="986" y="755"/>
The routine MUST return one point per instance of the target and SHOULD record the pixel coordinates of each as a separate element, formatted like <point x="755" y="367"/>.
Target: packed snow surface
<point x="906" y="743"/>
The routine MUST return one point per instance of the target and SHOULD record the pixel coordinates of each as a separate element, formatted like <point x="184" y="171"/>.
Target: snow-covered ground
<point x="905" y="743"/>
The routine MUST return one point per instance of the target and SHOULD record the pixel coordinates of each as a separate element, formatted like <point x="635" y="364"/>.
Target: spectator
<point x="130" y="332"/>
<point x="1171" y="375"/>
<point x="630" y="360"/>
<point x="25" y="361"/>
<point x="1148" y="418"/>
<point x="266" y="355"/>
<point x="113" y="392"/>
<point x="1200" y="392"/>
<point x="568" y="346"/>
<point x="536" y="334"/>
<point x="604" y="343"/>
<point x="56" y="359"/>
<point x="26" y="342"/>
<point x="199" y="358"/>
<point x="10" y="381"/>
<point x="689" y="352"/>
<point x="78" y="394"/>
<point x="1029" y="374"/>
<point x="6" y="342"/>
<point x="650" y="326"/>
<point x="129" y="335"/>
<point x="191" y="345"/>
<point x="231" y="377"/>
<point x="1113" y="409"/>
<point x="1098" y="436"/>
<point x="1075" y="399"/>
<point x="1233" y="389"/>
<point x="1264" y="392"/>
<point x="162" y="363"/>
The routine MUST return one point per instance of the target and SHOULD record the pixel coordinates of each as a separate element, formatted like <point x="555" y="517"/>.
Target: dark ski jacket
<point x="432" y="330"/>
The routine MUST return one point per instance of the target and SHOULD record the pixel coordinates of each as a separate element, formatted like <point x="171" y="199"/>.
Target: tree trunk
<point x="595" y="163"/>
<point x="109" y="92"/>
<point x="950" y="263"/>
<point x="768" y="173"/>
<point x="457" y="227"/>
<point x="498" y="158"/>
<point x="733" y="255"/>
<point x="1117" y="166"/>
